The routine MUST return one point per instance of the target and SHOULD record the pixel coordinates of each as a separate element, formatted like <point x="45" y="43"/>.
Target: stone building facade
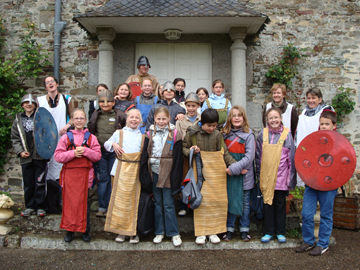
<point x="327" y="29"/>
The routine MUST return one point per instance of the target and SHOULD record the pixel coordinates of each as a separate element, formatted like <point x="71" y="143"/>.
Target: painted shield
<point x="135" y="89"/>
<point x="325" y="160"/>
<point x="45" y="133"/>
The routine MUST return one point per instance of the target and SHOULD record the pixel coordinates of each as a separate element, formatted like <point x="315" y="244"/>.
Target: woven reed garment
<point x="124" y="201"/>
<point x="210" y="217"/>
<point x="270" y="160"/>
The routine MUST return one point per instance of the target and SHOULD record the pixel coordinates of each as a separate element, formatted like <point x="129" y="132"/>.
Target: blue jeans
<point x="326" y="200"/>
<point x="104" y="185"/>
<point x="244" y="218"/>
<point x="165" y="215"/>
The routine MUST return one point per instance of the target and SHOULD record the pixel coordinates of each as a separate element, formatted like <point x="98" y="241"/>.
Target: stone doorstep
<point x="97" y="243"/>
<point x="52" y="223"/>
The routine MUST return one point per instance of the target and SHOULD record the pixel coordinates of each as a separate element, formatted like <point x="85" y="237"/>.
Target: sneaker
<point x="245" y="236"/>
<point x="281" y="238"/>
<point x="182" y="213"/>
<point x="214" y="239"/>
<point x="28" y="212"/>
<point x="120" y="238"/>
<point x="101" y="214"/>
<point x="134" y="239"/>
<point x="200" y="240"/>
<point x="176" y="240"/>
<point x="41" y="213"/>
<point x="317" y="251"/>
<point x="86" y="237"/>
<point x="266" y="238"/>
<point x="304" y="247"/>
<point x="158" y="239"/>
<point x="227" y="236"/>
<point x="68" y="237"/>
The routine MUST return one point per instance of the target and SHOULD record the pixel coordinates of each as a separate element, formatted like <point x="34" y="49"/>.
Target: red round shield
<point x="325" y="160"/>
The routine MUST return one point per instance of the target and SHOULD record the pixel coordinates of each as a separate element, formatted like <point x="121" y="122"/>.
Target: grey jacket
<point x="174" y="110"/>
<point x="247" y="161"/>
<point x="18" y="139"/>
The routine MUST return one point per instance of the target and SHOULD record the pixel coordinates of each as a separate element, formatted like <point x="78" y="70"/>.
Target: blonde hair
<point x="128" y="87"/>
<point x="228" y="125"/>
<point x="78" y="110"/>
<point x="276" y="86"/>
<point x="134" y="110"/>
<point x="147" y="79"/>
<point x="166" y="112"/>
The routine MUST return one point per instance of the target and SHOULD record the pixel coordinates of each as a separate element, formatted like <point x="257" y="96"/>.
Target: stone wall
<point x="327" y="29"/>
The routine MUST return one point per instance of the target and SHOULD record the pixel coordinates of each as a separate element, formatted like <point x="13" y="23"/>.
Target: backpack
<point x="191" y="191"/>
<point x="72" y="145"/>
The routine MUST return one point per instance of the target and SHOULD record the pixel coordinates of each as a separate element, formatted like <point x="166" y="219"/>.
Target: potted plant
<point x="297" y="201"/>
<point x="347" y="208"/>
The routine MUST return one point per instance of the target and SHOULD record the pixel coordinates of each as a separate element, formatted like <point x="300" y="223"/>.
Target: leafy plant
<point x="6" y="192"/>
<point x="24" y="64"/>
<point x="298" y="192"/>
<point x="343" y="102"/>
<point x="294" y="233"/>
<point x="287" y="70"/>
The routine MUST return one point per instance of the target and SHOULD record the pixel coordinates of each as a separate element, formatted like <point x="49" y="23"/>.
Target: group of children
<point x="149" y="143"/>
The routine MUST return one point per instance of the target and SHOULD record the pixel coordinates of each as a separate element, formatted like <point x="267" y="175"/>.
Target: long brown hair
<point x="228" y="126"/>
<point x="166" y="112"/>
<point x="128" y="87"/>
<point x="273" y="109"/>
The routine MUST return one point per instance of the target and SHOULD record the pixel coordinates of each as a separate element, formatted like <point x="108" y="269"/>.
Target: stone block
<point x="254" y="113"/>
<point x="15" y="182"/>
<point x="12" y="241"/>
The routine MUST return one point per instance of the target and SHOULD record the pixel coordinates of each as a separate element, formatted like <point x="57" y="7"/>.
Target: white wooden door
<point x="190" y="61"/>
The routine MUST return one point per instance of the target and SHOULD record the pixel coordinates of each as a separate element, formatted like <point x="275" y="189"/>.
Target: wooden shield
<point x="45" y="133"/>
<point x="325" y="160"/>
<point x="135" y="89"/>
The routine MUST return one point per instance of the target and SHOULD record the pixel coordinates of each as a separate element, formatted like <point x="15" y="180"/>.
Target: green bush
<point x="25" y="64"/>
<point x="343" y="103"/>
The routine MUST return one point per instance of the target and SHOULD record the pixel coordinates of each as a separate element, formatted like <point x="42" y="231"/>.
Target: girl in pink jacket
<point x="77" y="150"/>
<point x="275" y="168"/>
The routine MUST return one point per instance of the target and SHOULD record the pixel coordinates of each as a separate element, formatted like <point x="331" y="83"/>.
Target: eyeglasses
<point x="48" y="82"/>
<point x="79" y="119"/>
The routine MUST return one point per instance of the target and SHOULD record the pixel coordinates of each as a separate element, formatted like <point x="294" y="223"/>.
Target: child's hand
<point x="79" y="151"/>
<point x="24" y="154"/>
<point x="117" y="97"/>
<point x="118" y="150"/>
<point x="196" y="149"/>
<point x="244" y="171"/>
<point x="180" y="116"/>
<point x="228" y="171"/>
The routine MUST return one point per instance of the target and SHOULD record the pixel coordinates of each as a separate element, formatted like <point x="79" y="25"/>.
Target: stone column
<point x="238" y="66"/>
<point x="106" y="55"/>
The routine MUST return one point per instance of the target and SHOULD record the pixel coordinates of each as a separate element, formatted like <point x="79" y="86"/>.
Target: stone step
<point x="56" y="241"/>
<point x="51" y="222"/>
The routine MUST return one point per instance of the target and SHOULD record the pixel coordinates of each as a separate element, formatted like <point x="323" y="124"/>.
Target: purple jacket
<point x="286" y="176"/>
<point x="247" y="161"/>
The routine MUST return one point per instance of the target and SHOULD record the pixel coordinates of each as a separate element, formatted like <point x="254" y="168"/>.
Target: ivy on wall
<point x="287" y="70"/>
<point x="24" y="64"/>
